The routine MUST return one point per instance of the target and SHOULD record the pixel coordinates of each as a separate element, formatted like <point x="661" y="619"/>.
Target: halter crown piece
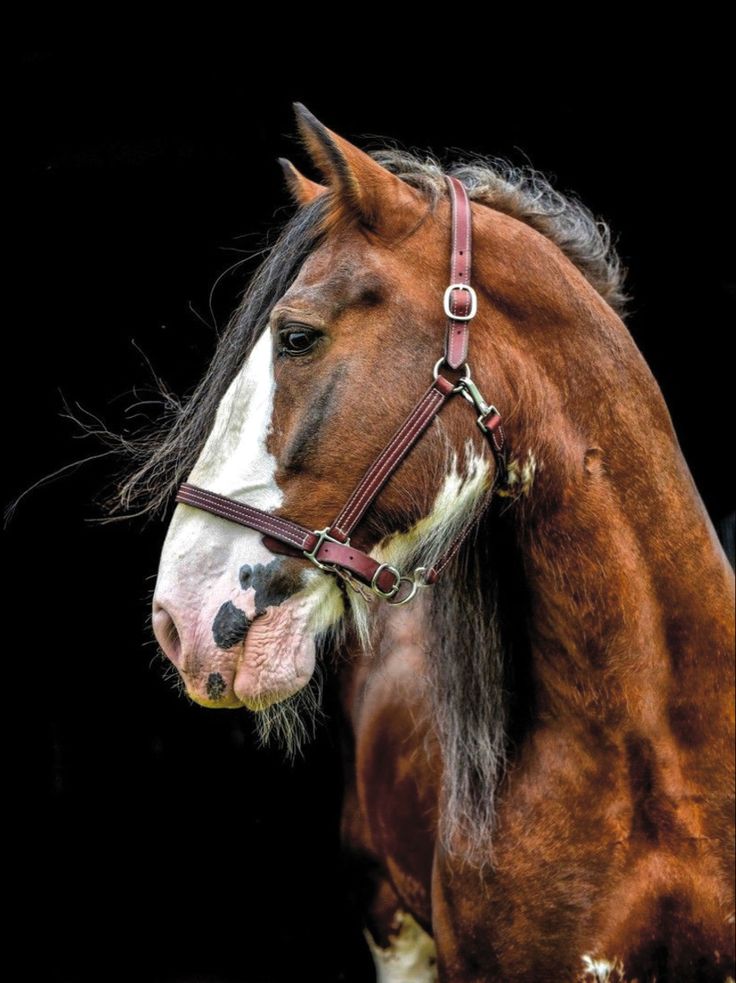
<point x="330" y="548"/>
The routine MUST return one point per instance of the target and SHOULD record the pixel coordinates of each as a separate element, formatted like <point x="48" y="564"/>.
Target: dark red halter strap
<point x="460" y="301"/>
<point x="389" y="459"/>
<point x="332" y="545"/>
<point x="330" y="548"/>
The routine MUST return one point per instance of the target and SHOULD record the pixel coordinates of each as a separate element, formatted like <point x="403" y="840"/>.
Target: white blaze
<point x="199" y="588"/>
<point x="202" y="550"/>
<point x="234" y="460"/>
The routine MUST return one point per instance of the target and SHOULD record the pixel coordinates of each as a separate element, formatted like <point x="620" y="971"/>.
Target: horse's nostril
<point x="167" y="635"/>
<point x="246" y="576"/>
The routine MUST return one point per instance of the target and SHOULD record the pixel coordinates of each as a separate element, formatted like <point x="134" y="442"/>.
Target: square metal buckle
<point x="473" y="302"/>
<point x="323" y="535"/>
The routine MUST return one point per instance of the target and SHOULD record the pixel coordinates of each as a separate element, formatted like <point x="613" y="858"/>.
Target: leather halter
<point x="330" y="548"/>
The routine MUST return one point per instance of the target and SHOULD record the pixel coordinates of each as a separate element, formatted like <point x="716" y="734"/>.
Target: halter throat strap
<point x="330" y="548"/>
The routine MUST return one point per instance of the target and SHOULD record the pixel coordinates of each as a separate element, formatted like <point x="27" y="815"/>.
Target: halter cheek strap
<point x="330" y="548"/>
<point x="460" y="300"/>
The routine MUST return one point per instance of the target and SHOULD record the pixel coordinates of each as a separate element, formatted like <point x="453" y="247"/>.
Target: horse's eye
<point x="297" y="339"/>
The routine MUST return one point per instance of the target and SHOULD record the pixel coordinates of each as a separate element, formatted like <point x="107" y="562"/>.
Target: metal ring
<point x="436" y="373"/>
<point x="374" y="586"/>
<point x="415" y="585"/>
<point x="410" y="596"/>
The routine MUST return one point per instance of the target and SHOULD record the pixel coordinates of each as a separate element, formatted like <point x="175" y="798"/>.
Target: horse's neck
<point x="619" y="604"/>
<point x="631" y="594"/>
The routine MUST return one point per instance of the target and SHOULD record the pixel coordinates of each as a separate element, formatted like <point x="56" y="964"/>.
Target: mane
<point x="160" y="457"/>
<point x="479" y="682"/>
<point x="527" y="195"/>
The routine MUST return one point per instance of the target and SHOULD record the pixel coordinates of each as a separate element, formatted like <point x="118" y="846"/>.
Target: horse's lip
<point x="231" y="703"/>
<point x="228" y="679"/>
<point x="212" y="689"/>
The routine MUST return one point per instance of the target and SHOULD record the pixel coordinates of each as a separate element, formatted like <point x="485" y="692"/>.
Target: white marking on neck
<point x="459" y="494"/>
<point x="602" y="970"/>
<point x="410" y="957"/>
<point x="520" y="476"/>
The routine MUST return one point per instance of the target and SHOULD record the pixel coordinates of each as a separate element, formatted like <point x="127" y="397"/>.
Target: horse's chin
<point x="278" y="656"/>
<point x="274" y="662"/>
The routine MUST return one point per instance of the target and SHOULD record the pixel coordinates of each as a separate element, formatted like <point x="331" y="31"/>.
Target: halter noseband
<point x="330" y="548"/>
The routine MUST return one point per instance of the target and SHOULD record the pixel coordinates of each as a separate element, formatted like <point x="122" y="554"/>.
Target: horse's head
<point x="341" y="355"/>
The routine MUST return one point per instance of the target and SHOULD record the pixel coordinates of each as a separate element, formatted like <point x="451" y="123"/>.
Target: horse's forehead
<point x="338" y="273"/>
<point x="336" y="259"/>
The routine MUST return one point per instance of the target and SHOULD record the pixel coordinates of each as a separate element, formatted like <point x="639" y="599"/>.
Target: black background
<point x="156" y="842"/>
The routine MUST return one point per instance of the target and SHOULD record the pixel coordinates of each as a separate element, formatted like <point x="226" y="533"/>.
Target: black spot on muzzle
<point x="229" y="626"/>
<point x="273" y="583"/>
<point x="215" y="686"/>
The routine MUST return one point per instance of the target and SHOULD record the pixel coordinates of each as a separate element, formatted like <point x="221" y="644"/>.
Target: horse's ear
<point x="302" y="190"/>
<point x="365" y="189"/>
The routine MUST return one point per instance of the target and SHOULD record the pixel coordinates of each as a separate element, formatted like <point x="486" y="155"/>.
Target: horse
<point x="539" y="746"/>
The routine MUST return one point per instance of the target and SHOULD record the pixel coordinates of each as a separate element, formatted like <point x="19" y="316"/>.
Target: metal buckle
<point x="473" y="302"/>
<point x="377" y="590"/>
<point x="473" y="395"/>
<point x="323" y="535"/>
<point x="415" y="585"/>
